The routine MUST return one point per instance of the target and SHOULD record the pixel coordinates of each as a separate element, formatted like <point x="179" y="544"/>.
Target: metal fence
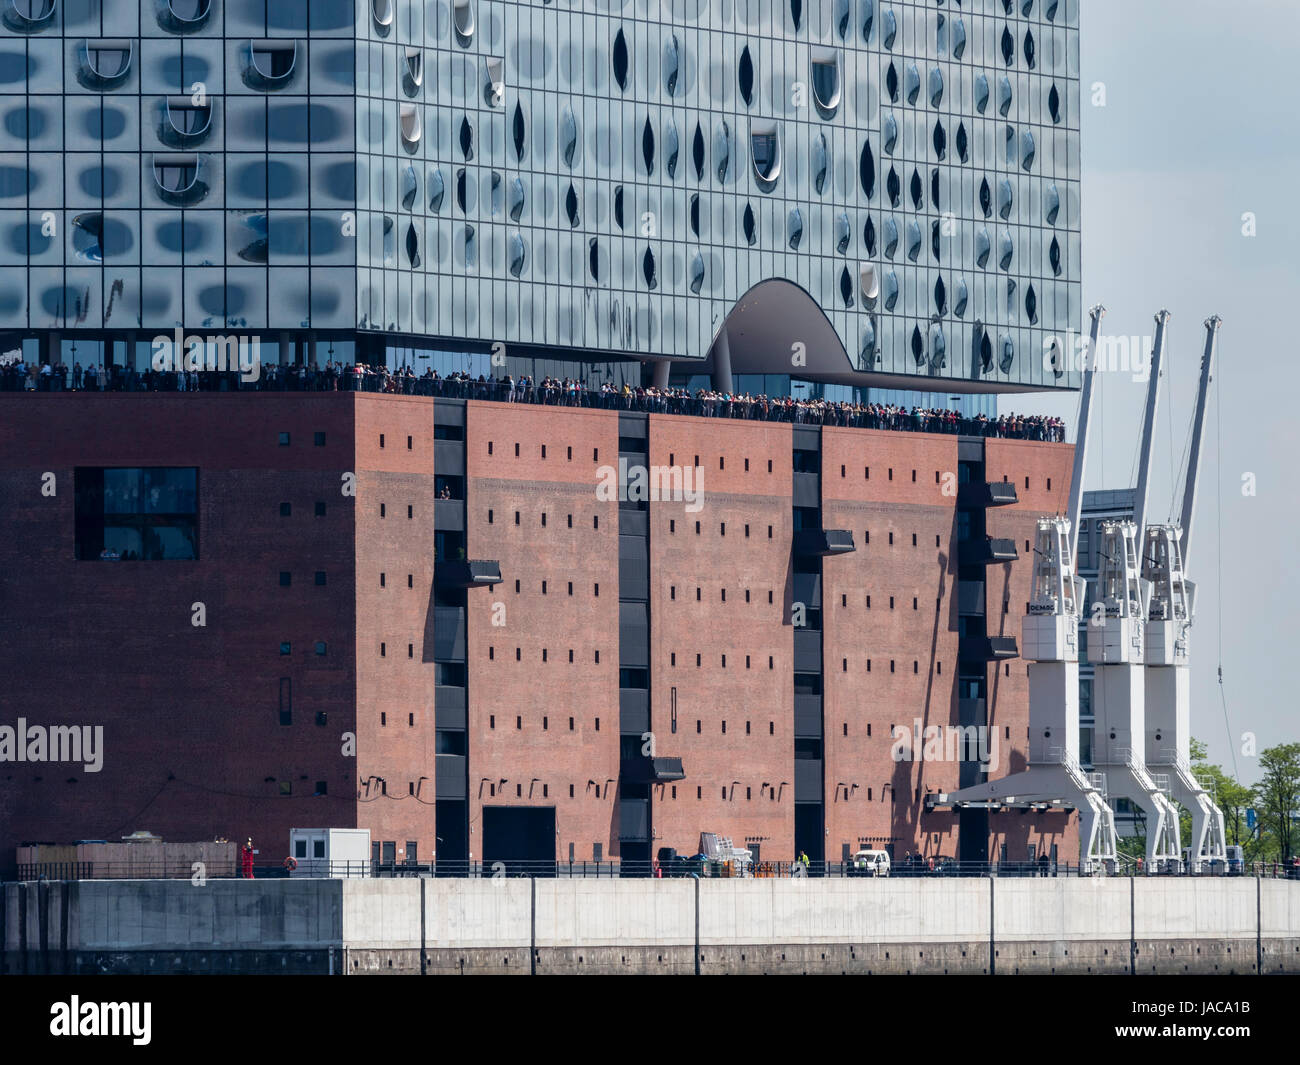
<point x="681" y="867"/>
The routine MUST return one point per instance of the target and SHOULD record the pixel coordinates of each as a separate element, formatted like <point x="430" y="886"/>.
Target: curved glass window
<point x="868" y="19"/>
<point x="619" y="59"/>
<point x="843" y="232"/>
<point x="184" y="16"/>
<point x="1008" y="354"/>
<point x="177" y="178"/>
<point x="891" y="290"/>
<point x="795" y="229"/>
<point x="913" y="241"/>
<point x="410" y="188"/>
<point x="796" y="13"/>
<point x="697" y="152"/>
<point x="867" y="171"/>
<point x="269" y="65"/>
<point x="869" y="236"/>
<point x="765" y="154"/>
<point x="437" y="190"/>
<point x="1004" y="96"/>
<point x="940" y="141"/>
<point x="518" y="131"/>
<point x="891" y="83"/>
<point x="846" y="287"/>
<point x="517" y="200"/>
<point x="985" y="348"/>
<point x="820" y="163"/>
<point x="1008" y="251"/>
<point x="463" y="21"/>
<point x="412" y="246"/>
<point x="981" y="93"/>
<point x="412" y="129"/>
<point x="918" y="346"/>
<point x="916" y="190"/>
<point x="618" y="206"/>
<point x="569" y="136"/>
<point x="518" y="255"/>
<point x="1027" y="150"/>
<point x="648" y="147"/>
<point x="888" y="29"/>
<point x="571" y="206"/>
<point x="1052" y="204"/>
<point x="697" y="273"/>
<point x="1008" y="46"/>
<point x="1054" y="256"/>
<point x="1031" y="50"/>
<point x="382" y="12"/>
<point x="842" y="17"/>
<point x="749" y="226"/>
<point x="963" y="297"/>
<point x="983" y="248"/>
<point x="185" y="122"/>
<point x="1049" y="10"/>
<point x="958" y="39"/>
<point x="938" y="347"/>
<point x="722" y="151"/>
<point x="412" y="71"/>
<point x="1031" y="305"/>
<point x="671" y="147"/>
<point x="869" y="281"/>
<point x="826" y="82"/>
<point x="868" y="352"/>
<point x="672" y="64"/>
<point x="936" y="87"/>
<point x="88" y="237"/>
<point x="594" y="258"/>
<point x="1054" y="105"/>
<point x="28" y="16"/>
<point x="891" y="238"/>
<point x="893" y="188"/>
<point x="889" y="137"/>
<point x="1006" y="199"/>
<point x="494" y="88"/>
<point x="106" y="64"/>
<point x="963" y="143"/>
<point x="695" y="213"/>
<point x="913" y="84"/>
<point x="745" y="76"/>
<point x="648" y="269"/>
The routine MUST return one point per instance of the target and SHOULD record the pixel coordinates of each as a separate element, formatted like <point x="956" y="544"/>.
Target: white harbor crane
<point x="1050" y="642"/>
<point x="1169" y="619"/>
<point x="1116" y="644"/>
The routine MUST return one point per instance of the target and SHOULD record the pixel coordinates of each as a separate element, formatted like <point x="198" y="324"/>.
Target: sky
<point x="1199" y="128"/>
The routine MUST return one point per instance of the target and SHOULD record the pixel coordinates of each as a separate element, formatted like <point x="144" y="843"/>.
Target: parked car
<point x="869" y="863"/>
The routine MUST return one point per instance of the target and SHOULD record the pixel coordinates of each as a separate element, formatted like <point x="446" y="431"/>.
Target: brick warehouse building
<point x="487" y="719"/>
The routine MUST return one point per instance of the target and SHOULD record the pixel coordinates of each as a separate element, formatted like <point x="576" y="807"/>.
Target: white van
<point x="869" y="863"/>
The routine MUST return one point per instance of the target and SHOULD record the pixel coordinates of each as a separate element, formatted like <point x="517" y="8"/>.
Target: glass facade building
<point x="595" y="181"/>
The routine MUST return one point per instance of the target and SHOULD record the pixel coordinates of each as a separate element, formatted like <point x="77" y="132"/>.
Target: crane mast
<point x="1050" y="642"/>
<point x="1169" y="619"/>
<point x="1116" y="633"/>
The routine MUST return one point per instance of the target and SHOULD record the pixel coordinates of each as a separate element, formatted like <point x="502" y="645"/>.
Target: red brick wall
<point x="394" y="656"/>
<point x="1029" y="465"/>
<point x="192" y="745"/>
<point x="544" y="695"/>
<point x="729" y="769"/>
<point x="870" y="797"/>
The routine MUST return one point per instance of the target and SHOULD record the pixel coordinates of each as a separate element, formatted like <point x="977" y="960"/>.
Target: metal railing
<point x="682" y="867"/>
<point x="701" y="403"/>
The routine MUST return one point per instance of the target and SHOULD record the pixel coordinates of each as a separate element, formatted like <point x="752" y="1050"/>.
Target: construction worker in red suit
<point x="246" y="860"/>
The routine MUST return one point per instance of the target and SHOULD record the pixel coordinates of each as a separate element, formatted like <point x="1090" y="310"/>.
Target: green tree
<point x="1278" y="795"/>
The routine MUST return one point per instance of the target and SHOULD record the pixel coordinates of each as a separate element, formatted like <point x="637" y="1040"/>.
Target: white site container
<point x="336" y="852"/>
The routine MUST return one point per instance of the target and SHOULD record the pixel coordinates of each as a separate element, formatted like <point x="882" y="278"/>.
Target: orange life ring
<point x="291" y="863"/>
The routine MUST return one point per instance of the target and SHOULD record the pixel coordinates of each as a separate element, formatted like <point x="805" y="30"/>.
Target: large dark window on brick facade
<point x="137" y="514"/>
